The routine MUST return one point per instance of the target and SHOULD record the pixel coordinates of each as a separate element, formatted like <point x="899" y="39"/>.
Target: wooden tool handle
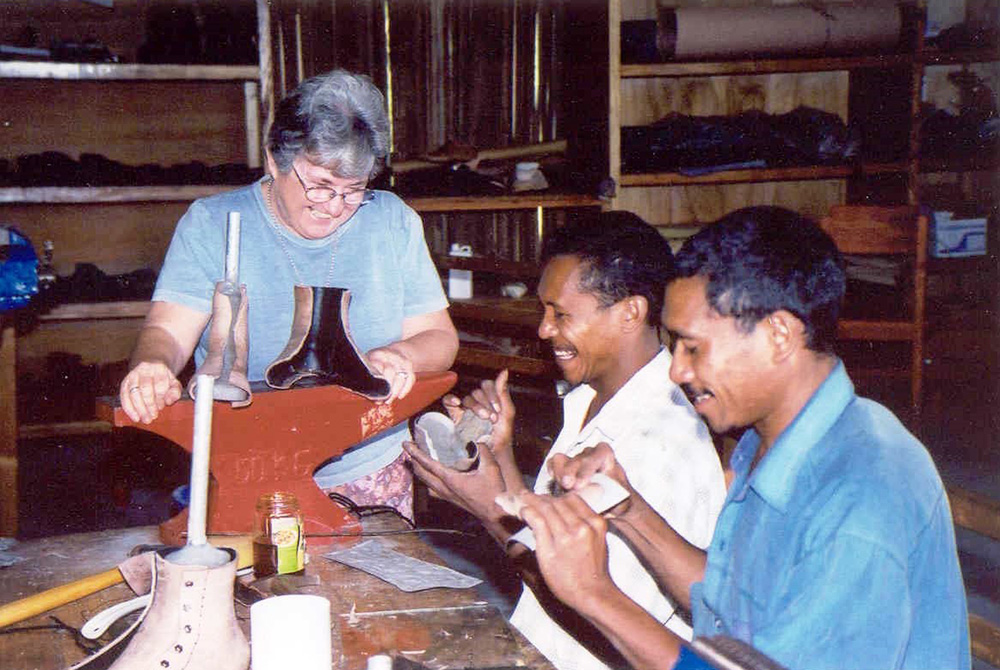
<point x="25" y="608"/>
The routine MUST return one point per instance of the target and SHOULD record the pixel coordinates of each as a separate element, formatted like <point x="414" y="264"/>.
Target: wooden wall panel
<point x="118" y="238"/>
<point x="119" y="29"/>
<point x="122" y="28"/>
<point x="415" y="85"/>
<point x="645" y="101"/>
<point x="130" y="122"/>
<point x="96" y="342"/>
<point x="683" y="205"/>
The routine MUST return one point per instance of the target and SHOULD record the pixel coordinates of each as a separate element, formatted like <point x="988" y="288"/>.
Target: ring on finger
<point x="133" y="389"/>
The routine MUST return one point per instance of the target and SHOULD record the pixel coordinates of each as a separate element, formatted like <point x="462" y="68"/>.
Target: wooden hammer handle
<point x="25" y="608"/>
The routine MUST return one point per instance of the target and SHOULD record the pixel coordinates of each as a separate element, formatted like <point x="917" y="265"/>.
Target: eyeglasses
<point x="321" y="194"/>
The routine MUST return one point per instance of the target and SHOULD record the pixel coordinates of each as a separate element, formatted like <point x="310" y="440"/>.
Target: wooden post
<point x="266" y="64"/>
<point x="8" y="428"/>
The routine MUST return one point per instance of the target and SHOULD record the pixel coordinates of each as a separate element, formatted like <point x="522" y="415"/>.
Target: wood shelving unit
<point x="73" y="87"/>
<point x="631" y="87"/>
<point x="633" y="100"/>
<point x="876" y="94"/>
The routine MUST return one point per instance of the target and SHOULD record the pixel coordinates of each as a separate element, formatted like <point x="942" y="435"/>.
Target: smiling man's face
<point x="723" y="370"/>
<point x="584" y="335"/>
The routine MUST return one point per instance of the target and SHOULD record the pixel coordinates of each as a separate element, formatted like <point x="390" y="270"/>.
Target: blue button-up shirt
<point x="838" y="550"/>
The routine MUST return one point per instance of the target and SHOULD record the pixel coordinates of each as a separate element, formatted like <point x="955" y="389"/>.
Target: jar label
<point x="287" y="537"/>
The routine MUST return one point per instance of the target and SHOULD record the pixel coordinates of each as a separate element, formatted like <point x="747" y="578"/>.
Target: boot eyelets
<point x="178" y="648"/>
<point x="189" y="583"/>
<point x="165" y="664"/>
<point x="187" y="629"/>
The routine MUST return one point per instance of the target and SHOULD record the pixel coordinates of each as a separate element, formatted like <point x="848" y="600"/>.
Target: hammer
<point x="136" y="571"/>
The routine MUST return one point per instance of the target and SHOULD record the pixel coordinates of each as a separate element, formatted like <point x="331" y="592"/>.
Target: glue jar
<point x="279" y="544"/>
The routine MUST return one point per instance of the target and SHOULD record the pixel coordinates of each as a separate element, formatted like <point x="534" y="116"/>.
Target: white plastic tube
<point x="200" y="453"/>
<point x="233" y="249"/>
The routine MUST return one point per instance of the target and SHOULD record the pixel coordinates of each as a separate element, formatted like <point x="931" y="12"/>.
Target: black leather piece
<point x="327" y="355"/>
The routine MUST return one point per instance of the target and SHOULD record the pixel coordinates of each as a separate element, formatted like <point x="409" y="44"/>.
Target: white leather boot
<point x="190" y="622"/>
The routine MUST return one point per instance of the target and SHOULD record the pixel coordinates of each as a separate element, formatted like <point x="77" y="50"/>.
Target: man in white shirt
<point x="602" y="290"/>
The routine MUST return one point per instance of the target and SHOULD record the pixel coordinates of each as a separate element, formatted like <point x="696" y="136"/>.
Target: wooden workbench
<point x="437" y="628"/>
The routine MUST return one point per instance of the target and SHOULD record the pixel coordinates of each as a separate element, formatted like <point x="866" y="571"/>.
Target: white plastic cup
<point x="291" y="632"/>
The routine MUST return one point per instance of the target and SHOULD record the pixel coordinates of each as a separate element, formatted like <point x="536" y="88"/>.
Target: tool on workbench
<point x="134" y="571"/>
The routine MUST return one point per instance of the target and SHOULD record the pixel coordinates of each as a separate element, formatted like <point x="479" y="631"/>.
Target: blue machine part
<point x="18" y="270"/>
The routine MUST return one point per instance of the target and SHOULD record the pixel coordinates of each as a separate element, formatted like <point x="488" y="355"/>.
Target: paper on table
<point x="404" y="572"/>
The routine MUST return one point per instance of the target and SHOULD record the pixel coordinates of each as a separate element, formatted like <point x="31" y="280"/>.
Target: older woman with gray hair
<point x="312" y="221"/>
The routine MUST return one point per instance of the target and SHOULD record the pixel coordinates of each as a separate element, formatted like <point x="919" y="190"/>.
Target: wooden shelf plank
<point x="106" y="194"/>
<point x="806" y="173"/>
<point x="975" y="511"/>
<point x="496" y="361"/>
<point x="985" y="639"/>
<point x="65" y="429"/>
<point x="86" y="311"/>
<point x="876" y="331"/>
<point x="500" y="202"/>
<point x="126" y="71"/>
<point x="526" y="312"/>
<point x="962" y="57"/>
<point x="762" y="66"/>
<point x="978" y="162"/>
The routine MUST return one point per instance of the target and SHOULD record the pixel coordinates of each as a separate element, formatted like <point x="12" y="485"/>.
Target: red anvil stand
<point x="275" y="444"/>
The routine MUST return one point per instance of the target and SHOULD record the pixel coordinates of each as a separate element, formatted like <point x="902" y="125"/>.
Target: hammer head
<point x="137" y="570"/>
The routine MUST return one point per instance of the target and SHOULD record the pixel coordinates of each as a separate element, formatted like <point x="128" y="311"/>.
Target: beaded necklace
<point x="272" y="216"/>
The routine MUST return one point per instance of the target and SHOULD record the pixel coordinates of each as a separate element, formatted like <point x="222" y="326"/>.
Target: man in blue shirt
<point x="835" y="547"/>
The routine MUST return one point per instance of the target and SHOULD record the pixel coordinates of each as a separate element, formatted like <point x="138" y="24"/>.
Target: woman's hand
<point x="147" y="389"/>
<point x="165" y="344"/>
<point x="429" y="344"/>
<point x="395" y="367"/>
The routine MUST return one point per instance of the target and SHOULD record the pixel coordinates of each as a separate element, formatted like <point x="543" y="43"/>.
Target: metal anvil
<point x="275" y="444"/>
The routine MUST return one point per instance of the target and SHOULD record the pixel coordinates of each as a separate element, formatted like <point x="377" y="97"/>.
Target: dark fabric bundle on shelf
<point x="803" y="136"/>
<point x="88" y="283"/>
<point x="947" y="135"/>
<point x="965" y="36"/>
<point x="205" y="32"/>
<point x="446" y="180"/>
<point x="53" y="168"/>
<point x="973" y="132"/>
